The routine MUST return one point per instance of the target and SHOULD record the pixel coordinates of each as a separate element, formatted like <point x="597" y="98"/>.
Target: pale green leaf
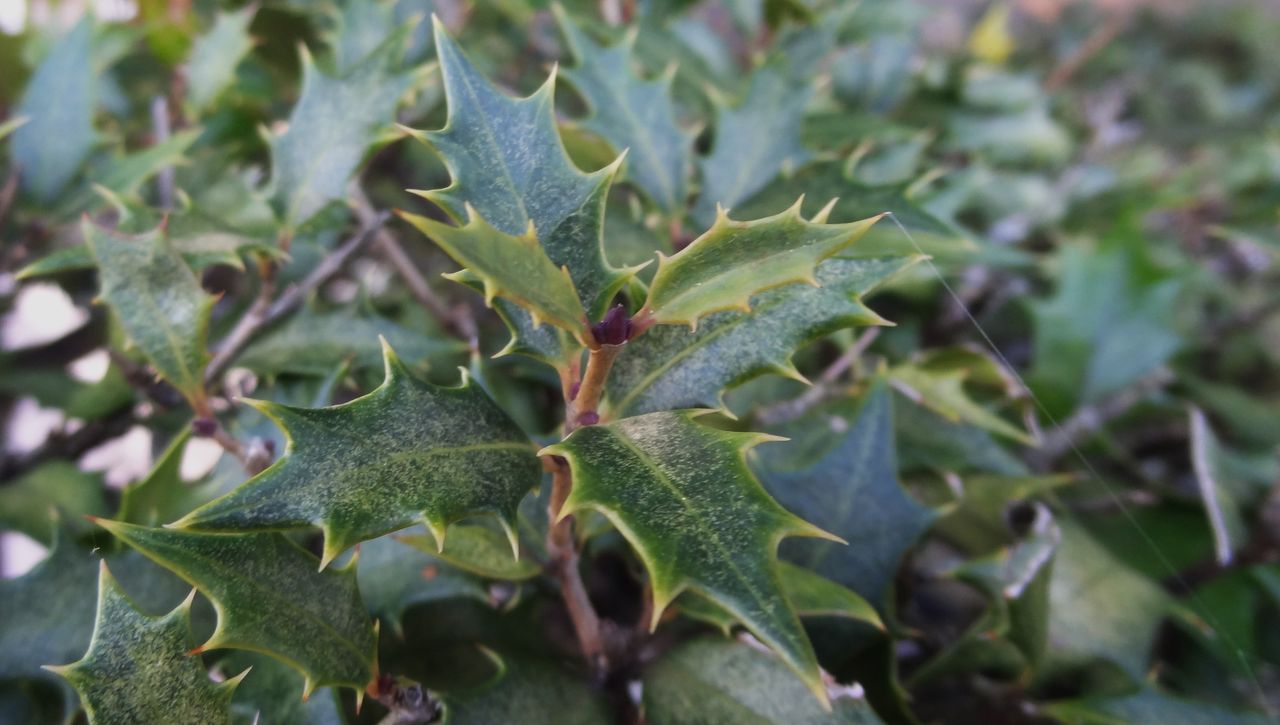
<point x="407" y="452"/>
<point x="479" y="550"/>
<point x="670" y="367"/>
<point x="631" y="114"/>
<point x="811" y="595"/>
<point x="51" y="147"/>
<point x="1149" y="706"/>
<point x="336" y="120"/>
<point x="215" y="55"/>
<point x="710" y="681"/>
<point x="734" y="260"/>
<point x="138" y="669"/>
<point x="942" y="391"/>
<point x="839" y="470"/>
<point x="271" y="597"/>
<point x="514" y="267"/>
<point x="682" y="496"/>
<point x="157" y="300"/>
<point x="507" y="161"/>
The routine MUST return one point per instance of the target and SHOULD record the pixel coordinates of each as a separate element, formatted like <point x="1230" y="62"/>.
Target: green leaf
<point x="1109" y="323"/>
<point x="313" y="343"/>
<point x="714" y="681"/>
<point x="394" y="577"/>
<point x="733" y="260"/>
<point x="682" y="495"/>
<point x="157" y="300"/>
<point x="1085" y="622"/>
<point x="270" y="597"/>
<point x="546" y="343"/>
<point x="334" y="123"/>
<point x="479" y="550"/>
<point x="514" y="267"/>
<point x="1149" y="706"/>
<point x="271" y="693"/>
<point x="408" y="451"/>
<point x="754" y="141"/>
<point x="810" y="594"/>
<point x="27" y="504"/>
<point x="670" y="367"/>
<point x="52" y="146"/>
<point x="138" y="668"/>
<point x="943" y="392"/>
<point x="215" y="55"/>
<point x="507" y="161"/>
<point x="631" y="114"/>
<point x="528" y="691"/>
<point x="161" y="495"/>
<point x="839" y="470"/>
<point x="48" y="613"/>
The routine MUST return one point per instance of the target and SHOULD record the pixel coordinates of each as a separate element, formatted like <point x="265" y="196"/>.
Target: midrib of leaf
<point x="843" y="505"/>
<point x="233" y="574"/>
<point x="648" y="461"/>
<point x="647" y="380"/>
<point x="646" y="141"/>
<point x="489" y="133"/>
<point x="764" y="262"/>
<point x="169" y="335"/>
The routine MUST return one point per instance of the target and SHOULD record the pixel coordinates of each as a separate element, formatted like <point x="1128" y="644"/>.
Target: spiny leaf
<point x="270" y="598"/>
<point x="840" y="471"/>
<point x="514" y="267"/>
<point x="58" y="103"/>
<point x="714" y="681"/>
<point x="682" y="495"/>
<point x="216" y="54"/>
<point x="670" y="367"/>
<point x="545" y="343"/>
<point x="631" y="113"/>
<point x="529" y="691"/>
<point x="271" y="693"/>
<point x="734" y="260"/>
<point x="812" y="595"/>
<point x="943" y="392"/>
<point x="754" y="140"/>
<point x="157" y="300"/>
<point x="26" y="504"/>
<point x="408" y="451"/>
<point x="507" y="161"/>
<point x="333" y="124"/>
<point x="479" y="550"/>
<point x="138" y="668"/>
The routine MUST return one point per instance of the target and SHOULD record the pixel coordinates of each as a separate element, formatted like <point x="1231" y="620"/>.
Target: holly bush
<point x="794" y="361"/>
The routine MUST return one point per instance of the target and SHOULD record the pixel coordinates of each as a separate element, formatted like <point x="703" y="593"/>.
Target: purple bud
<point x="204" y="427"/>
<point x="615" y="328"/>
<point x="589" y="417"/>
<point x="270" y="446"/>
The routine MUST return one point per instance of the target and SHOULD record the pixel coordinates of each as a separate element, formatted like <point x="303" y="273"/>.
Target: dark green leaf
<point x="29" y="503"/>
<point x="479" y="550"/>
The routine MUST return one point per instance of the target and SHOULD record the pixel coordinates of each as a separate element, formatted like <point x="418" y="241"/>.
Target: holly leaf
<point x="394" y="577"/>
<point x="138" y="668"/>
<point x="670" y="367"/>
<point x="840" y="471"/>
<point x="708" y="680"/>
<point x="271" y="693"/>
<point x="479" y="550"/>
<point x="272" y="597"/>
<point x="546" y="343"/>
<point x="314" y="343"/>
<point x="733" y="260"/>
<point x="811" y="595"/>
<point x="942" y="391"/>
<point x="336" y="119"/>
<point x="754" y="140"/>
<point x="514" y="267"/>
<point x="1149" y="705"/>
<point x="631" y="113"/>
<point x="157" y="300"/>
<point x="529" y="691"/>
<point x="682" y="495"/>
<point x="507" y="161"/>
<point x="215" y="55"/>
<point x="26" y="504"/>
<point x="58" y="103"/>
<point x="408" y="451"/>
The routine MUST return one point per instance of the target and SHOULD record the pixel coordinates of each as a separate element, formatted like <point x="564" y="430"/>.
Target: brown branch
<point x="791" y="409"/>
<point x="1091" y="46"/>
<point x="585" y="401"/>
<point x="563" y="565"/>
<point x="264" y="312"/>
<point x="1088" y="420"/>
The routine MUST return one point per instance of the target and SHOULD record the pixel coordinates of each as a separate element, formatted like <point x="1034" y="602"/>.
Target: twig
<point x="1096" y="41"/>
<point x="563" y="563"/>
<point x="263" y="312"/>
<point x="1086" y="421"/>
<point x="584" y="402"/>
<point x="457" y="320"/>
<point x="8" y="192"/>
<point x="69" y="446"/>
<point x="792" y="409"/>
